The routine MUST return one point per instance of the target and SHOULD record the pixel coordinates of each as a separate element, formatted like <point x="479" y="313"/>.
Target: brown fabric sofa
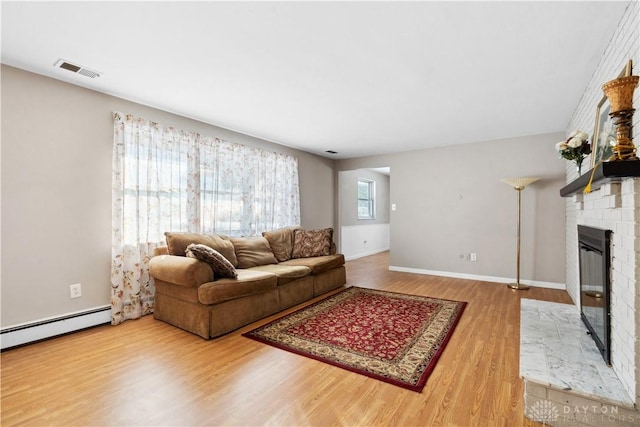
<point x="269" y="278"/>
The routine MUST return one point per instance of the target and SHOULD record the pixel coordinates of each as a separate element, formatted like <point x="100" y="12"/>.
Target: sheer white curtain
<point x="246" y="190"/>
<point x="166" y="179"/>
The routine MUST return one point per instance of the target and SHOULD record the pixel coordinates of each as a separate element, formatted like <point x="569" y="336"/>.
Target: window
<point x="174" y="180"/>
<point x="166" y="179"/>
<point x="366" y="195"/>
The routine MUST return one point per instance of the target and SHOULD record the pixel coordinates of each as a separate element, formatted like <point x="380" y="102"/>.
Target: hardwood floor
<point x="146" y="372"/>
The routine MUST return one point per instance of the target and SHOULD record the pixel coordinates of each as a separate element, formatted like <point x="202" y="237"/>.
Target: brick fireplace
<point x="615" y="206"/>
<point x="567" y="382"/>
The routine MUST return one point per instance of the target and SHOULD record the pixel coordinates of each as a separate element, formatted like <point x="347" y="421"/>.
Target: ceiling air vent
<point x="78" y="69"/>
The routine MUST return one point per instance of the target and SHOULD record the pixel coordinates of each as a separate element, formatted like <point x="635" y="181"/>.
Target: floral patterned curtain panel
<point x="166" y="179"/>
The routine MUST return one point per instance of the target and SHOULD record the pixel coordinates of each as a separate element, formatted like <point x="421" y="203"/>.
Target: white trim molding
<point x="50" y="327"/>
<point x="494" y="279"/>
<point x="357" y="241"/>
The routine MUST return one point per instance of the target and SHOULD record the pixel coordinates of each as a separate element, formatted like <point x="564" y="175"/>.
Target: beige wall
<point x="56" y="198"/>
<point x="450" y="200"/>
<point x="56" y="192"/>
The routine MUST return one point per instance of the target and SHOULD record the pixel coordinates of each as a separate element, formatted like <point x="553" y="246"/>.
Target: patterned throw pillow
<point x="219" y="264"/>
<point x="310" y="243"/>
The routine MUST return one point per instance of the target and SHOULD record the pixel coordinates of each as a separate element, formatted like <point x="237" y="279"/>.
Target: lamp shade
<point x="520" y="182"/>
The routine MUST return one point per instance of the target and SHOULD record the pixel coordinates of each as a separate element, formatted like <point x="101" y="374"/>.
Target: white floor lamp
<point x="519" y="184"/>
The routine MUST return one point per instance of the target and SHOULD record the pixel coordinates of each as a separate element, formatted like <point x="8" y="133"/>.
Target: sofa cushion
<point x="177" y="244"/>
<point x="312" y="243"/>
<point x="220" y="265"/>
<point x="285" y="273"/>
<point x="281" y="242"/>
<point x="252" y="251"/>
<point x="180" y="270"/>
<point x="249" y="282"/>
<point x="318" y="264"/>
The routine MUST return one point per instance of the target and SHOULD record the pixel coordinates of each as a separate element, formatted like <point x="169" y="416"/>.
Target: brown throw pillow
<point x="253" y="251"/>
<point x="177" y="243"/>
<point x="310" y="243"/>
<point x="281" y="242"/>
<point x="219" y="264"/>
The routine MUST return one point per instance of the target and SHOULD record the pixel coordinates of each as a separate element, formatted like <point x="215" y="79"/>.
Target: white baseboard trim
<point x="362" y="255"/>
<point x="25" y="333"/>
<point x="536" y="283"/>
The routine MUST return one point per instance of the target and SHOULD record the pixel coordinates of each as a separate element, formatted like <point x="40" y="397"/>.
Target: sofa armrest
<point x="180" y="270"/>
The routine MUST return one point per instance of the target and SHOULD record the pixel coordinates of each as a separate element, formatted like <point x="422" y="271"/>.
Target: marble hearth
<point x="567" y="382"/>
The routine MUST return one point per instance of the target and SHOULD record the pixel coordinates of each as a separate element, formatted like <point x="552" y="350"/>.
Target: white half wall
<point x="358" y="241"/>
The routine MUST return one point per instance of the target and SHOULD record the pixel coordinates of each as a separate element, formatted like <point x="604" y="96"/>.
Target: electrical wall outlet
<point x="75" y="290"/>
<point x="467" y="257"/>
<point x="474" y="257"/>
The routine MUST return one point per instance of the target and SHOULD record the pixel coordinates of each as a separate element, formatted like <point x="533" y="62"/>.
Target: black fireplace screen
<point x="595" y="282"/>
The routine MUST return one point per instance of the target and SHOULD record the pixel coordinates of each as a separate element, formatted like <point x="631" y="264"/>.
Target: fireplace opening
<point x="595" y="283"/>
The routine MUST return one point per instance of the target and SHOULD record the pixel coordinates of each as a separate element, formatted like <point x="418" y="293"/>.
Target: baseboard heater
<point x="39" y="330"/>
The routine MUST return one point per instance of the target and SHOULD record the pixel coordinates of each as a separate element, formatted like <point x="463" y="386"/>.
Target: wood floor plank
<point x="146" y="372"/>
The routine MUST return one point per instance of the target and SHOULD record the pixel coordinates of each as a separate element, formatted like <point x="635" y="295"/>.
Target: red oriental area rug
<point x="396" y="338"/>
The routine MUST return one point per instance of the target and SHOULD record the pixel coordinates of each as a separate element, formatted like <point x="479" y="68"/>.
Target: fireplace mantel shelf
<point x="604" y="172"/>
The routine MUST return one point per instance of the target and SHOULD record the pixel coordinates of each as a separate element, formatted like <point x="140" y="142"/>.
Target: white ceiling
<point x="360" y="78"/>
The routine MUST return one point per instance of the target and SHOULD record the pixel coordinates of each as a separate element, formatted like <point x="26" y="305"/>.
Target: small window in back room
<point x="366" y="196"/>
